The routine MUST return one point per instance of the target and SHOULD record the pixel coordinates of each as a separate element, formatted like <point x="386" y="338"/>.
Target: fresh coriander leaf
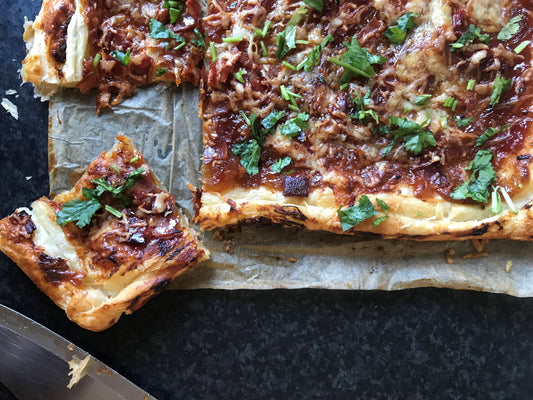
<point x="422" y="100"/>
<point x="286" y="39"/>
<point x="356" y="61"/>
<point x="444" y="121"/>
<point x="468" y="37"/>
<point x="510" y="29"/>
<point x="113" y="211"/>
<point x="79" y="211"/>
<point x="385" y="207"/>
<point x="251" y="121"/>
<point x="199" y="40"/>
<point x="397" y="33"/>
<point x="416" y="142"/>
<point x="123" y="58"/>
<point x="175" y="8"/>
<point x="295" y="125"/>
<point x="238" y="75"/>
<point x="360" y="104"/>
<point x="501" y="85"/>
<point x="280" y="164"/>
<point x="316" y="4"/>
<point x="313" y="58"/>
<point x="290" y="96"/>
<point x="477" y="186"/>
<point x="249" y="153"/>
<point x="161" y="71"/>
<point x="354" y="215"/>
<point x="271" y="120"/>
<point x="488" y="134"/>
<point x="451" y="102"/>
<point x="160" y="31"/>
<point x="462" y="122"/>
<point x="413" y="135"/>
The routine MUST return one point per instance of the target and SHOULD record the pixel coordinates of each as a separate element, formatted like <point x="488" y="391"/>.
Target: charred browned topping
<point x="296" y="186"/>
<point x="55" y="25"/>
<point x="56" y="270"/>
<point x="336" y="150"/>
<point x="21" y="226"/>
<point x="118" y="26"/>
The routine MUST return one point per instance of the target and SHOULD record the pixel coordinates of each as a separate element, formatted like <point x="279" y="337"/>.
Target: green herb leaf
<point x="280" y="164"/>
<point x="471" y="84"/>
<point x="263" y="32"/>
<point x="468" y="37"/>
<point x="501" y="85"/>
<point x="477" y="186"/>
<point x="286" y="94"/>
<point x="232" y="39"/>
<point x="295" y="125"/>
<point x="249" y="153"/>
<point x="161" y="71"/>
<point x="422" y="100"/>
<point x="96" y="60"/>
<point x="385" y="207"/>
<point x="238" y="75"/>
<point x="175" y="8"/>
<point x="271" y="120"/>
<point x="489" y="133"/>
<point x="213" y="51"/>
<point x="123" y="58"/>
<point x="518" y="49"/>
<point x="356" y="61"/>
<point x="79" y="211"/>
<point x="113" y="211"/>
<point x="462" y="122"/>
<point x="286" y="39"/>
<point x="510" y="29"/>
<point x="199" y="40"/>
<point x="451" y="102"/>
<point x="313" y="58"/>
<point x="354" y="215"/>
<point x="160" y="31"/>
<point x="413" y="135"/>
<point x="361" y="113"/>
<point x="316" y="4"/>
<point x="397" y="33"/>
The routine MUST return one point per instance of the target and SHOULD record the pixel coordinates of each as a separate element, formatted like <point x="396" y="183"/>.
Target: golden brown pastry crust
<point x="114" y="265"/>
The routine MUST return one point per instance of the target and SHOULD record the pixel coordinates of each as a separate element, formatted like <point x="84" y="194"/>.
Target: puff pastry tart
<point x="405" y="119"/>
<point x="112" y="45"/>
<point x="108" y="245"/>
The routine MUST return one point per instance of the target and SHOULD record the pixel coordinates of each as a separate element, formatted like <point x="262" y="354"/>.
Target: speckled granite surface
<point x="204" y="344"/>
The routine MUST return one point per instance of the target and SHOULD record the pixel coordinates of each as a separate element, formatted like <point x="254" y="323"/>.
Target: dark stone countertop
<point x="412" y="344"/>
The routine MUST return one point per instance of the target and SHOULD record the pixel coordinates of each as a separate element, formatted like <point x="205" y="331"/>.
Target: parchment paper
<point x="165" y="125"/>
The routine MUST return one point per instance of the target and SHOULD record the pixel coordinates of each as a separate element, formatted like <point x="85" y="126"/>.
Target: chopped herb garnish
<point x="422" y="100"/>
<point x="286" y="39"/>
<point x="313" y="58"/>
<point x="462" y="122"/>
<point x="238" y="75"/>
<point x="265" y="52"/>
<point x="510" y="29"/>
<point x="316" y="4"/>
<point x="213" y="51"/>
<point x="271" y="120"/>
<point x="96" y="60"/>
<point x="495" y="201"/>
<point x="501" y="85"/>
<point x="482" y="176"/>
<point x="199" y="40"/>
<point x="175" y="8"/>
<point x="356" y="61"/>
<point x="161" y="71"/>
<point x="360" y="104"/>
<point x="160" y="31"/>
<point x="280" y="164"/>
<point x="249" y="153"/>
<point x="82" y="211"/>
<point x="451" y="102"/>
<point x="179" y="46"/>
<point x="289" y="65"/>
<point x="414" y="136"/>
<point x="468" y="37"/>
<point x="286" y="94"/>
<point x="113" y="211"/>
<point x="471" y="84"/>
<point x="134" y="159"/>
<point x="362" y="211"/>
<point x="263" y="32"/>
<point x="232" y="39"/>
<point x="488" y="134"/>
<point x="115" y="168"/>
<point x="295" y="125"/>
<point x="123" y="58"/>
<point x="397" y="33"/>
<point x="444" y="121"/>
<point x="518" y="49"/>
<point x="508" y="200"/>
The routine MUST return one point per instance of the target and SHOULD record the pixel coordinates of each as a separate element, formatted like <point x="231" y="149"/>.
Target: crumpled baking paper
<point x="163" y="121"/>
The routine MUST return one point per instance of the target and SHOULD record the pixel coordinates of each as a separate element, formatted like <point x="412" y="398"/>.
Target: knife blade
<point x="34" y="365"/>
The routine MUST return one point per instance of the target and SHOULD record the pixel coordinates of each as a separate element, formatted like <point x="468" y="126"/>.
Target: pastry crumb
<point x="508" y="266"/>
<point x="293" y="259"/>
<point x="10" y="108"/>
<point x="78" y="369"/>
<point x="473" y="256"/>
<point x="479" y="244"/>
<point x="449" y="256"/>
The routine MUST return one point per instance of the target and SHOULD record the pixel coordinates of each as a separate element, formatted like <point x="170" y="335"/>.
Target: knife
<point x="34" y="365"/>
